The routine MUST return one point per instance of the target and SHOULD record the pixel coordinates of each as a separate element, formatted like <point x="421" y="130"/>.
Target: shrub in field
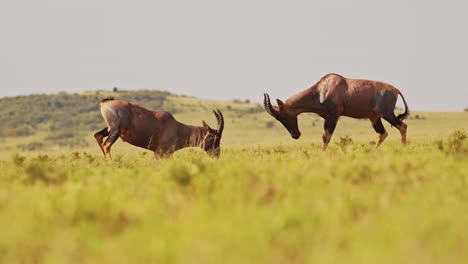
<point x="240" y="101"/>
<point x="345" y="142"/>
<point x="67" y="138"/>
<point x="59" y="135"/>
<point x="440" y="144"/>
<point x="180" y="174"/>
<point x="251" y="110"/>
<point x="456" y="143"/>
<point x="418" y="117"/>
<point x="31" y="146"/>
<point x="279" y="149"/>
<point x="269" y="124"/>
<point x="18" y="131"/>
<point x="40" y="169"/>
<point x="18" y="159"/>
<point x="72" y="142"/>
<point x="90" y="158"/>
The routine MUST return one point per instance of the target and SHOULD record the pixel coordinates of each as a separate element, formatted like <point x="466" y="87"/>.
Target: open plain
<point x="267" y="199"/>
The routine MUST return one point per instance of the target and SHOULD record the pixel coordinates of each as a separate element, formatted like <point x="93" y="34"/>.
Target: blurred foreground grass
<point x="257" y="204"/>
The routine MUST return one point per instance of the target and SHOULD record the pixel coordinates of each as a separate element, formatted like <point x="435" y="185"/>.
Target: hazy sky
<point x="235" y="49"/>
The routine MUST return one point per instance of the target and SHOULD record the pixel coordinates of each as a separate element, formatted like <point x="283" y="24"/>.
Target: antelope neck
<point x="196" y="137"/>
<point x="305" y="101"/>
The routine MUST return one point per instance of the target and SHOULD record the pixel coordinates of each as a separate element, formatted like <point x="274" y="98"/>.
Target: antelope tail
<point x="401" y="117"/>
<point x="106" y="99"/>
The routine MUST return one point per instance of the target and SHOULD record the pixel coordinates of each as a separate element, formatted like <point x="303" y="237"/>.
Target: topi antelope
<point x="334" y="96"/>
<point x="157" y="131"/>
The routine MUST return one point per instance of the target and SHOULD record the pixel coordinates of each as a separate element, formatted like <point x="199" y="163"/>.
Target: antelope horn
<point x="220" y="118"/>
<point x="268" y="107"/>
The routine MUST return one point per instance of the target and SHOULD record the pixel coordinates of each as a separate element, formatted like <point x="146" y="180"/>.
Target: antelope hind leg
<point x="403" y="128"/>
<point x="114" y="135"/>
<point x="380" y="129"/>
<point x="99" y="136"/>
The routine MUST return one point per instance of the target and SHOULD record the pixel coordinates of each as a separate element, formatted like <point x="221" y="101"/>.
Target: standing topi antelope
<point x="334" y="96"/>
<point x="157" y="131"/>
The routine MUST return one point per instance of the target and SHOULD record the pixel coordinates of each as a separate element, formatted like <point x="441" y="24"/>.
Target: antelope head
<point x="283" y="114"/>
<point x="212" y="139"/>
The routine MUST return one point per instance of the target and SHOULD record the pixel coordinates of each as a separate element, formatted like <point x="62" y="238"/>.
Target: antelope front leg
<point x="326" y="136"/>
<point x="329" y="127"/>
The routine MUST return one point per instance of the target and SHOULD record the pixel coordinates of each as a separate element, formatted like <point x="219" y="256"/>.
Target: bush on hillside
<point x="19" y="131"/>
<point x="32" y="146"/>
<point x="269" y="124"/>
<point x="251" y="110"/>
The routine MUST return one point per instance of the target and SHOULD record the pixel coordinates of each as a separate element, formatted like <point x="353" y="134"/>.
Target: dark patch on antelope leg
<point x="402" y="127"/>
<point x="329" y="127"/>
<point x="331" y="118"/>
<point x="330" y="109"/>
<point x="380" y="129"/>
<point x="378" y="126"/>
<point x="392" y="119"/>
<point x="99" y="136"/>
<point x="387" y="107"/>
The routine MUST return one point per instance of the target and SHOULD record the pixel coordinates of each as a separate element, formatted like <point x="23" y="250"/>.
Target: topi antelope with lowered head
<point x="334" y="96"/>
<point x="157" y="131"/>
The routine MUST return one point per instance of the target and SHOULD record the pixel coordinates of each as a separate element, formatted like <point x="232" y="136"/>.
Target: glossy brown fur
<point x="334" y="96"/>
<point x="156" y="131"/>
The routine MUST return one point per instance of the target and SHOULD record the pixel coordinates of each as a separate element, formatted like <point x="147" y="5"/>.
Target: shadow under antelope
<point x="334" y="96"/>
<point x="157" y="131"/>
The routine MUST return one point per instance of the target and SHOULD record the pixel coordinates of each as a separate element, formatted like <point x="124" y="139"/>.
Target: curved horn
<point x="268" y="107"/>
<point x="220" y="118"/>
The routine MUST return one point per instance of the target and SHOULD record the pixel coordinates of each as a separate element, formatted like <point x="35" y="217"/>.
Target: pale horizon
<point x="235" y="50"/>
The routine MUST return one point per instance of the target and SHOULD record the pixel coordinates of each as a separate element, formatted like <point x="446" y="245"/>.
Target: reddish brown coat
<point x="158" y="131"/>
<point x="334" y="96"/>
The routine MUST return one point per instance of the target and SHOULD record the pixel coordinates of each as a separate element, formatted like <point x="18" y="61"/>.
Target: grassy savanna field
<point x="268" y="199"/>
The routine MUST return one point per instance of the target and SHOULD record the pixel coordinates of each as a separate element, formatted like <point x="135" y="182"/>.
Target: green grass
<point x="254" y="205"/>
<point x="268" y="199"/>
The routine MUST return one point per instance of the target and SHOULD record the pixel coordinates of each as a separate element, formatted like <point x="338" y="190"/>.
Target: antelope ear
<point x="205" y="125"/>
<point x="280" y="103"/>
